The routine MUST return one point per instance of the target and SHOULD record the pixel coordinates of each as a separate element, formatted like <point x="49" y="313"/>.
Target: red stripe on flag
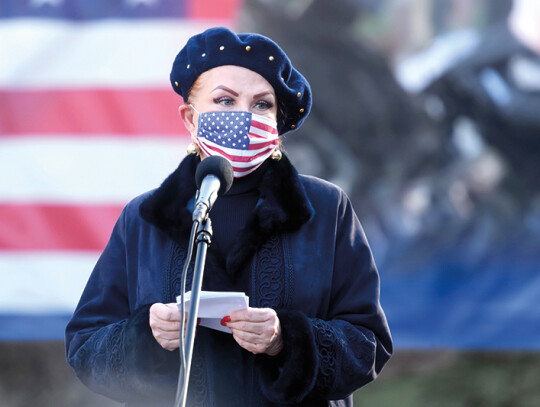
<point x="56" y="227"/>
<point x="91" y="111"/>
<point x="256" y="146"/>
<point x="264" y="127"/>
<point x="214" y="9"/>
<point x="257" y="136"/>
<point x="235" y="169"/>
<point x="235" y="158"/>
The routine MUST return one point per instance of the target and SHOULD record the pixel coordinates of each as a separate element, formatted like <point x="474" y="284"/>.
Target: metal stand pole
<point x="204" y="238"/>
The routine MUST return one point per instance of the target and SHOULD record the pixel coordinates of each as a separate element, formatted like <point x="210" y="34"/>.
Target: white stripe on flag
<point x="265" y="120"/>
<point x="43" y="282"/>
<point x="260" y="132"/>
<point x="234" y="151"/>
<point x="207" y="148"/>
<point x="247" y="165"/>
<point x="97" y="170"/>
<point x="53" y="53"/>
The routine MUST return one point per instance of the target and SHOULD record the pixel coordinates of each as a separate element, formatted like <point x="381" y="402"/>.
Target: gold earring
<point x="276" y="155"/>
<point x="191" y="149"/>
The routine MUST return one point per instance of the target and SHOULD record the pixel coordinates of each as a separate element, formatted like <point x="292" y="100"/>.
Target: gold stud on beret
<point x="299" y="94"/>
<point x="271" y="58"/>
<point x="221" y="48"/>
<point x="248" y="48"/>
<point x="175" y="83"/>
<point x="302" y="110"/>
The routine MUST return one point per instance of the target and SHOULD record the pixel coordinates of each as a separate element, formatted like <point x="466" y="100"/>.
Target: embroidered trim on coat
<point x="173" y="275"/>
<point x="271" y="278"/>
<point x="326" y="338"/>
<point x="105" y="355"/>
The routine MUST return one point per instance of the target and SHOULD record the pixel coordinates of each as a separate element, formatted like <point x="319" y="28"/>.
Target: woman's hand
<point x="256" y="329"/>
<point x="165" y="324"/>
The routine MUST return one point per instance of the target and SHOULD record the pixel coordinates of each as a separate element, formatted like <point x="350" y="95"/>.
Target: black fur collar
<point x="283" y="206"/>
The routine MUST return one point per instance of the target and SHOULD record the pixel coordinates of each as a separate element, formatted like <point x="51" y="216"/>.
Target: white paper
<point x="214" y="305"/>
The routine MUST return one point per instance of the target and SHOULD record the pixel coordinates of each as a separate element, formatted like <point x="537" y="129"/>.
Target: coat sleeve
<point x="329" y="358"/>
<point x="110" y="347"/>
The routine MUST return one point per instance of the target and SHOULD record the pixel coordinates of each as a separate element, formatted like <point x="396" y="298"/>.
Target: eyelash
<point x="223" y="99"/>
<point x="265" y="103"/>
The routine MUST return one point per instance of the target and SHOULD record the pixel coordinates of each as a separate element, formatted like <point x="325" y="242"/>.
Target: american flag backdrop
<point x="87" y="121"/>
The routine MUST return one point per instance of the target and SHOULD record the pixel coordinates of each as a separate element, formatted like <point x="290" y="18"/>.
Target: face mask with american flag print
<point x="245" y="139"/>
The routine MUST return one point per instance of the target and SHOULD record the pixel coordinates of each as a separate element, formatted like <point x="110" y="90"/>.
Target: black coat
<point x="307" y="258"/>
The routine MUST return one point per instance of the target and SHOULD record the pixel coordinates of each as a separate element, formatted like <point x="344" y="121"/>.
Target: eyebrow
<point x="226" y="89"/>
<point x="259" y="95"/>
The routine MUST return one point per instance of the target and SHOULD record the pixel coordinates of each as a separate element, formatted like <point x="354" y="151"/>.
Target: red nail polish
<point x="225" y="320"/>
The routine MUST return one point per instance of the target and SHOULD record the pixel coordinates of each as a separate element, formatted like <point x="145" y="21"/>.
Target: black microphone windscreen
<point x="220" y="168"/>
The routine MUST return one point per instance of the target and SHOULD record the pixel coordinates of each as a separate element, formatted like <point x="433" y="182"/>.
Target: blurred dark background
<point x="426" y="113"/>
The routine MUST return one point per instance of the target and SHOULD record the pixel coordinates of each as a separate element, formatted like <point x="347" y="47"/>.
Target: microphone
<point x="214" y="176"/>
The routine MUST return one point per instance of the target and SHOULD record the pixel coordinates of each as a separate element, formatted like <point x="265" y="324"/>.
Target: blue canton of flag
<point x="229" y="129"/>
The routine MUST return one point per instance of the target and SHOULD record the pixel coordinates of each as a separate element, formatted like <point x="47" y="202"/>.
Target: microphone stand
<point x="204" y="238"/>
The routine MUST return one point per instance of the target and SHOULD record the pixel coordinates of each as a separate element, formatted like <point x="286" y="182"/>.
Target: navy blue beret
<point x="220" y="46"/>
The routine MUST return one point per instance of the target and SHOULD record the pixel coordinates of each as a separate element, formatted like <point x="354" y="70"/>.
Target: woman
<point x="314" y="331"/>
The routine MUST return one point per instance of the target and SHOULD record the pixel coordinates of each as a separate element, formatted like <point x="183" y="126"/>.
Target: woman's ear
<point x="188" y="117"/>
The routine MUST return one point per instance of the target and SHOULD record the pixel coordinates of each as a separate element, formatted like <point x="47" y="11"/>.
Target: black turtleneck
<point x="231" y="211"/>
